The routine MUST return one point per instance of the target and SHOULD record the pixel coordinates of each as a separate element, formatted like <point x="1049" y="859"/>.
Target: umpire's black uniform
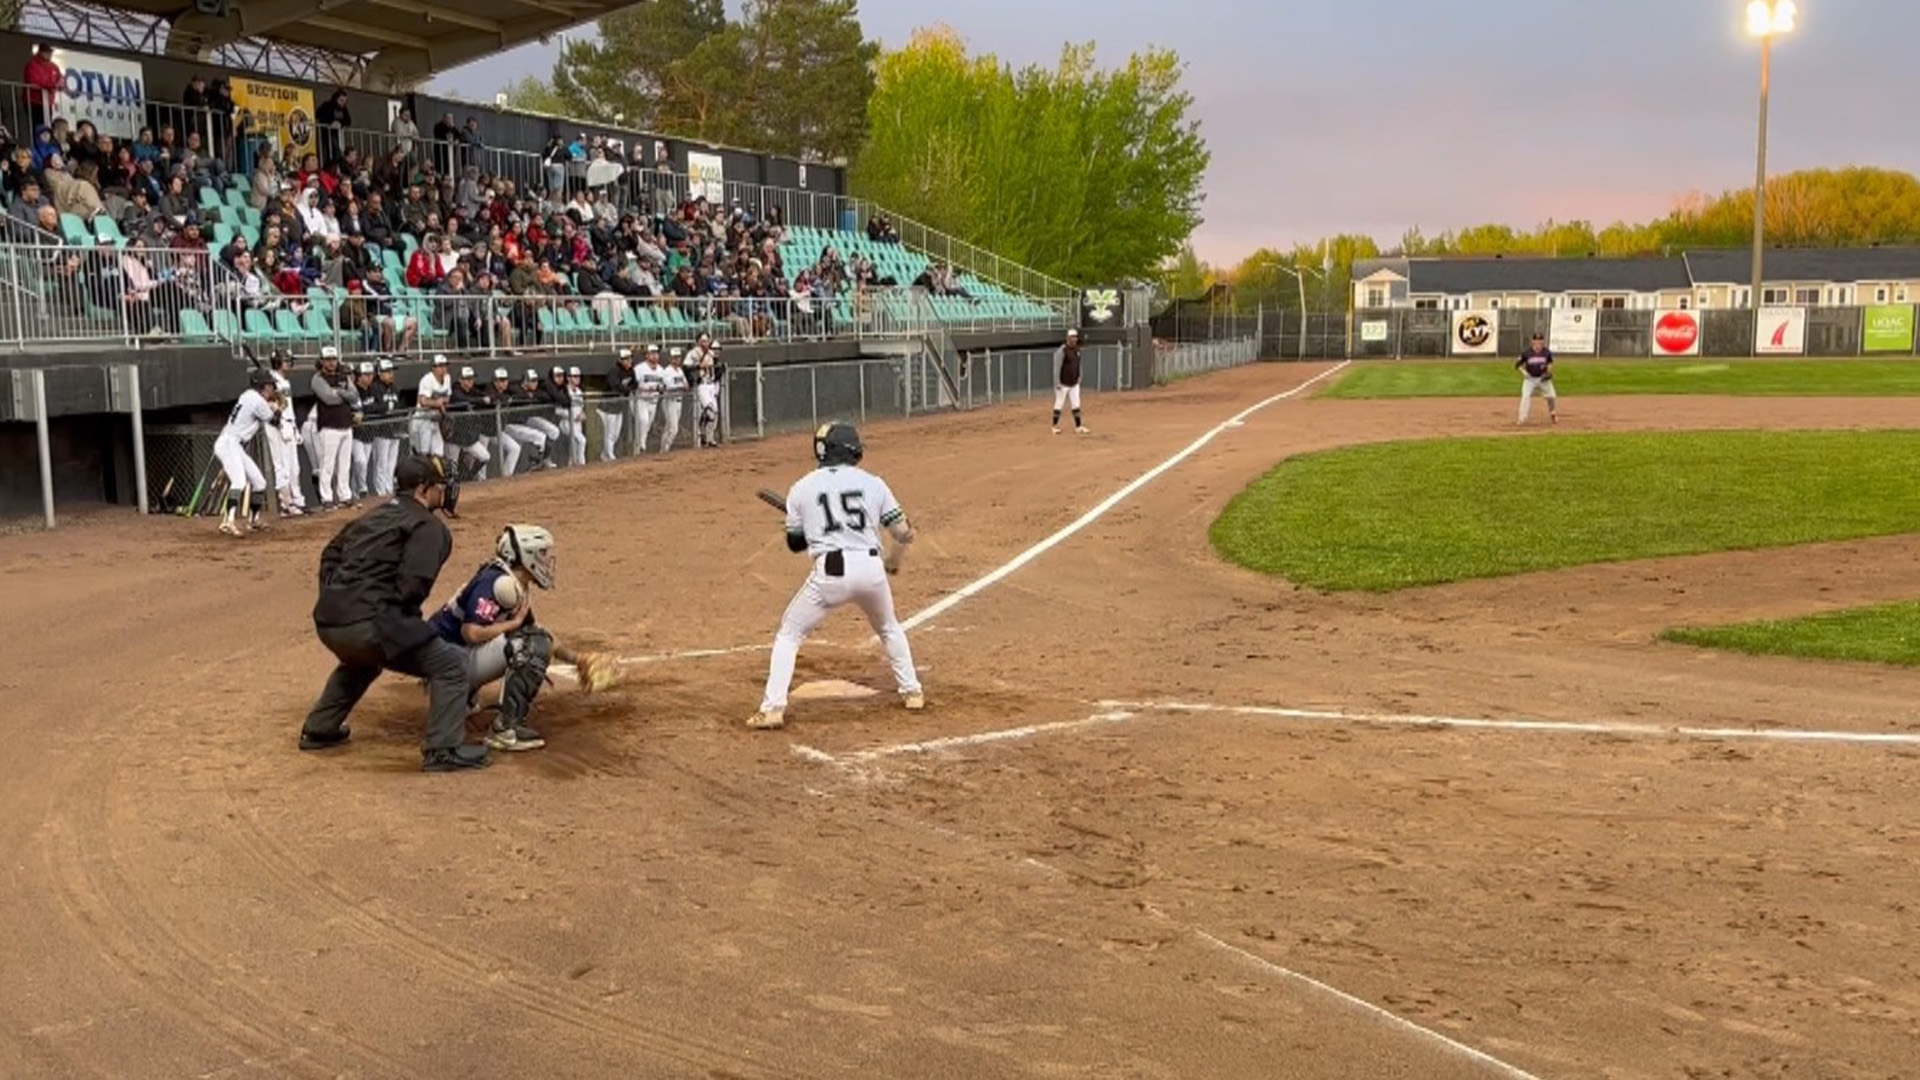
<point x="374" y="576"/>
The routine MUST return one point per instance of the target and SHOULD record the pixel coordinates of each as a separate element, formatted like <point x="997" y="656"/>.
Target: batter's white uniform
<point x="840" y="509"/>
<point x="673" y="397"/>
<point x="249" y="414"/>
<point x="425" y="426"/>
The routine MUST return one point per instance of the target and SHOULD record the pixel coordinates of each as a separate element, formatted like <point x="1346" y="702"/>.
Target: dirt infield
<point x="1135" y="892"/>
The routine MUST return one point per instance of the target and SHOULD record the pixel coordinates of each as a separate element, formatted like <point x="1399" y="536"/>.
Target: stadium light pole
<point x="1766" y="19"/>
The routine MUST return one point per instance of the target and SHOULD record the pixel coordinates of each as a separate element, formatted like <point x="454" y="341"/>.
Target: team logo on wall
<point x="299" y="127"/>
<point x="1102" y="304"/>
<point x="1476" y="333"/>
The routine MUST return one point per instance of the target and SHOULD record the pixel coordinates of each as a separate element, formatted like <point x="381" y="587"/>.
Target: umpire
<point x="374" y="576"/>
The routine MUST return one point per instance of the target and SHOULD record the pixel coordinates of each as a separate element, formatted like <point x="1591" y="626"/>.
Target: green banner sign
<point x="1890" y="328"/>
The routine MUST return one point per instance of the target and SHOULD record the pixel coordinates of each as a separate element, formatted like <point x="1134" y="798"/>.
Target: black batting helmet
<point x="837" y="443"/>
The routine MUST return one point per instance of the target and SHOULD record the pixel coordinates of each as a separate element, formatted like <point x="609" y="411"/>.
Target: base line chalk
<point x="1392" y="1020"/>
<point x="993" y="577"/>
<point x="1570" y="727"/>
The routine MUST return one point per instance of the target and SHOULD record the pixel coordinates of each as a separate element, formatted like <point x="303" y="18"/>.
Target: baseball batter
<point x="833" y="514"/>
<point x="1536" y="364"/>
<point x="258" y="407"/>
<point x="1066" y="381"/>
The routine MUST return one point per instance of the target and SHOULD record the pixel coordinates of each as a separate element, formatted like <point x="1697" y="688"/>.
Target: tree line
<point x="1847" y="207"/>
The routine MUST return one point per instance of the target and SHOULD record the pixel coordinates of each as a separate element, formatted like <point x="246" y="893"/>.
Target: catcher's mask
<point x="837" y="443"/>
<point x="529" y="547"/>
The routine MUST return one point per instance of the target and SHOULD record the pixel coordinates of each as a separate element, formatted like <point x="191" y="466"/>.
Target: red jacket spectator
<point x="423" y="270"/>
<point x="43" y="78"/>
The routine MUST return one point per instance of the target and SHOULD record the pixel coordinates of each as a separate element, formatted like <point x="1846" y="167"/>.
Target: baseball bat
<point x="772" y="498"/>
<point x="192" y="506"/>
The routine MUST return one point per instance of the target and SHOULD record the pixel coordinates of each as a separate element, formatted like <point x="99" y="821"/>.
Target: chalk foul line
<point x="993" y="577"/>
<point x="1393" y="1020"/>
<point x="1568" y="727"/>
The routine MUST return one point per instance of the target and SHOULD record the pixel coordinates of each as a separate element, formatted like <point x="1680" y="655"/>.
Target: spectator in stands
<point x="71" y="194"/>
<point x="424" y="271"/>
<point x="44" y="80"/>
<point x="152" y="306"/>
<point x="26" y="209"/>
<point x="395" y="330"/>
<point x="446" y="138"/>
<point x="332" y="119"/>
<point x="266" y="181"/>
<point x="220" y="129"/>
<point x="176" y="205"/>
<point x="138" y="216"/>
<point x="472" y="145"/>
<point x="404" y="132"/>
<point x="18" y="171"/>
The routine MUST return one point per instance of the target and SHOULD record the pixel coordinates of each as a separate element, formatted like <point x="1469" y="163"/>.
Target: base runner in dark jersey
<point x="1066" y="381"/>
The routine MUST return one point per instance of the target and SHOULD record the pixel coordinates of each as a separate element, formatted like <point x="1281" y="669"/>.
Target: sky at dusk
<point x="1369" y="117"/>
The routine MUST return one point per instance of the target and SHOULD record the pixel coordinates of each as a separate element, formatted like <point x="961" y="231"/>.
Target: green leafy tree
<point x="532" y="94"/>
<point x="1184" y="276"/>
<point x="790" y="77"/>
<point x="1089" y="175"/>
<point x="629" y="69"/>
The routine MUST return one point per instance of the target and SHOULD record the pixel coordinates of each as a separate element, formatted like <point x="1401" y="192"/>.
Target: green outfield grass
<point x="1883" y="634"/>
<point x="1575" y="377"/>
<point x="1397" y="515"/>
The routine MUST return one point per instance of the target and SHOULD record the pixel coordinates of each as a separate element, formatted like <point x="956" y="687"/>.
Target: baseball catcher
<point x="492" y="620"/>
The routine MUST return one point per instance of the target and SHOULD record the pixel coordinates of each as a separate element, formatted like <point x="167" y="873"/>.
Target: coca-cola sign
<point x="1676" y="333"/>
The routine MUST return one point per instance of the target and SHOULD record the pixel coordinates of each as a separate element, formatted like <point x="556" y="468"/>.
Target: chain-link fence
<point x="1178" y="361"/>
<point x="987" y="376"/>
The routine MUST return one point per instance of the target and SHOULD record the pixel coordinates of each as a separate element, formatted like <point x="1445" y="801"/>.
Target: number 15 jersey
<point x="841" y="508"/>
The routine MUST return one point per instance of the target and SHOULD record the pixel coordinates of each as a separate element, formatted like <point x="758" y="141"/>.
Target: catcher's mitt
<point x="598" y="671"/>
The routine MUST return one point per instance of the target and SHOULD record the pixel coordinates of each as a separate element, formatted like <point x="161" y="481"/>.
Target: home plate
<point x="831" y="688"/>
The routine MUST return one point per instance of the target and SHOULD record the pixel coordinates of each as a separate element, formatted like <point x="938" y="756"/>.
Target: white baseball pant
<point x="386" y="457"/>
<point x="669" y="423"/>
<point x="285" y="456"/>
<point x="425" y="434"/>
<point x="357" y="474"/>
<point x="242" y="473"/>
<point x="643" y="412"/>
<point x="864" y="585"/>
<point x="611" y="418"/>
<point x="1542" y="385"/>
<point x="1066" y="397"/>
<point x="509" y="448"/>
<point x="577" y="434"/>
<point x="336" y="465"/>
<point x="477" y="452"/>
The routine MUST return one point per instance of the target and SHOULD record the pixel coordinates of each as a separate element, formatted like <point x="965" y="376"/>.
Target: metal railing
<point x="449" y="157"/>
<point x="68" y="294"/>
<point x="490" y="325"/>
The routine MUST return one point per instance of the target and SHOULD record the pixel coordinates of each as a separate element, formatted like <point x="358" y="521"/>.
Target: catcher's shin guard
<point x="528" y="653"/>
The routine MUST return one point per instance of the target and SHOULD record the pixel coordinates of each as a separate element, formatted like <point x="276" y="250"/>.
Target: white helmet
<point x="529" y="547"/>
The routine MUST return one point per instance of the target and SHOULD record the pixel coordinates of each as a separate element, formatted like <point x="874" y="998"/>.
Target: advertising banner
<point x="1783" y="331"/>
<point x="1676" y="332"/>
<point x="1889" y="328"/>
<point x="1476" y="333"/>
<point x="109" y="92"/>
<point x="283" y="112"/>
<point x="1573" y="330"/>
<point x="706" y="176"/>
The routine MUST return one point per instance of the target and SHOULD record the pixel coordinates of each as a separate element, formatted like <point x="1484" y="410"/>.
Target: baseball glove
<point x="598" y="671"/>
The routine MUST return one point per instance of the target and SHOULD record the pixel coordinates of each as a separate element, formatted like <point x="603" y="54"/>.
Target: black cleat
<point x="454" y="759"/>
<point x="311" y="741"/>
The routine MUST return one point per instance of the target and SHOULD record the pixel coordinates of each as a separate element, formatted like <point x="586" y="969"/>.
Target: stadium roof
<point x="403" y="40"/>
<point x="1842" y="265"/>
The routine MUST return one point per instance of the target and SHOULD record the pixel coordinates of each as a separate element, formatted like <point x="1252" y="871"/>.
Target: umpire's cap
<point x="419" y="471"/>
